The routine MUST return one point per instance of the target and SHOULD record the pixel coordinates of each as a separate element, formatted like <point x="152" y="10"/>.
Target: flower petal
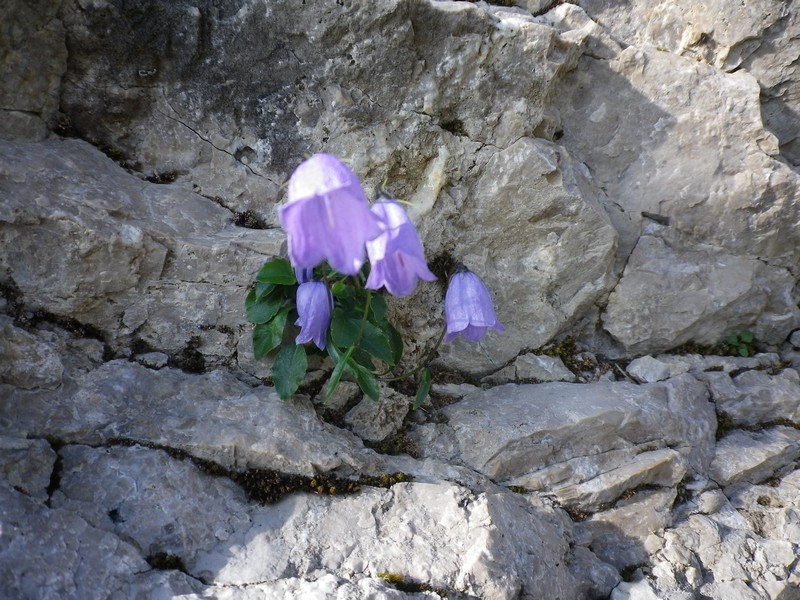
<point x="314" y="313"/>
<point x="468" y="308"/>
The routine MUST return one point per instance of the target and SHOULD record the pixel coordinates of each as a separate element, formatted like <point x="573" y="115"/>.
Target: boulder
<point x="668" y="296"/>
<point x="585" y="450"/>
<point x="138" y="262"/>
<point x="754" y="397"/>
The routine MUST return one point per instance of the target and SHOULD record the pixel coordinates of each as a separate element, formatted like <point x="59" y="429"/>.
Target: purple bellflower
<point x="396" y="256"/>
<point x="468" y="308"/>
<point x="327" y="216"/>
<point x="313" y="313"/>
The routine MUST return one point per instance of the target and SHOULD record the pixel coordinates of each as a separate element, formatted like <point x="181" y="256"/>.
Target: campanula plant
<point x="328" y="288"/>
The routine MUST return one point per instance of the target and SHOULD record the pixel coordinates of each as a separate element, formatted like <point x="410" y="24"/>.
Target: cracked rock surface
<point x="623" y="176"/>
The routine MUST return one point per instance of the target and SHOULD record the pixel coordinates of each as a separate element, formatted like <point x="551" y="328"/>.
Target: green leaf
<point x="289" y="369"/>
<point x="261" y="310"/>
<point x="268" y="336"/>
<point x="743" y="351"/>
<point x="424" y="388"/>
<point x="377" y="309"/>
<point x="377" y="344"/>
<point x="264" y="289"/>
<point x="344" y="328"/>
<point x="366" y="381"/>
<point x="746" y="336"/>
<point x="395" y="342"/>
<point x="340" y="290"/>
<point x="363" y="358"/>
<point x="340" y="362"/>
<point x="344" y="332"/>
<point x="733" y="339"/>
<point x="277" y="270"/>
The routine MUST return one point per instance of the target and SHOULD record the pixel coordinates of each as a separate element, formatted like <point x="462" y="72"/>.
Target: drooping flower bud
<point x="468" y="308"/>
<point x="314" y="313"/>
<point x="396" y="256"/>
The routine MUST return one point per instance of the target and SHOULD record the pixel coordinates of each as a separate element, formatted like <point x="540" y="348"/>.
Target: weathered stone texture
<point x="621" y="173"/>
<point x="136" y="260"/>
<point x="586" y="449"/>
<point x="33" y="56"/>
<point x="669" y="296"/>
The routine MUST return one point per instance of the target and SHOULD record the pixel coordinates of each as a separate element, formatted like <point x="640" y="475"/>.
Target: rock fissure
<point x="654" y="198"/>
<point x="208" y="141"/>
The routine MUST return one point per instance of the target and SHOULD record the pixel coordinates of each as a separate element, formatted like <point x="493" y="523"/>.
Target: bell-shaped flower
<point x="313" y="313"/>
<point x="468" y="308"/>
<point x="396" y="256"/>
<point x="327" y="216"/>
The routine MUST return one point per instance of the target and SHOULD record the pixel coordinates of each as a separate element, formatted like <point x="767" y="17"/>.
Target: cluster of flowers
<point x="328" y="217"/>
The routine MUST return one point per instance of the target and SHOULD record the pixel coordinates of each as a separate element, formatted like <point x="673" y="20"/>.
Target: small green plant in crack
<point x="741" y="343"/>
<point x="397" y="581"/>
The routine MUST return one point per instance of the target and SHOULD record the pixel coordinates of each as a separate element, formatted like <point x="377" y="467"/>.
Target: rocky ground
<point x="132" y="478"/>
<point x="624" y="176"/>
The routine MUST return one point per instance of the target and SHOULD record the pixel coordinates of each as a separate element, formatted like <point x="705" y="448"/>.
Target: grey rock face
<point x="33" y="53"/>
<point x="26" y="465"/>
<point x="54" y="553"/>
<point x="755" y="397"/>
<point x="139" y="261"/>
<point x="702" y="366"/>
<point x="285" y="539"/>
<point x="586" y="450"/>
<point x="543" y="228"/>
<point x="26" y="361"/>
<point x="250" y="428"/>
<point x="754" y="457"/>
<point x="621" y="173"/>
<point x="709" y="295"/>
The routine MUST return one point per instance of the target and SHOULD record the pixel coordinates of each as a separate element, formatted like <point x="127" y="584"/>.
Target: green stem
<point x="363" y="323"/>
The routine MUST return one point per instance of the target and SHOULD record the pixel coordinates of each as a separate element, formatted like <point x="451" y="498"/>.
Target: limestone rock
<point x="541" y="228"/>
<point x="212" y="416"/>
<point x="754" y="456"/>
<point x="374" y="532"/>
<point x="137" y="260"/>
<point x="759" y="37"/>
<point x="315" y="87"/>
<point x="744" y="564"/>
<point x="771" y="508"/>
<point x="53" y="553"/>
<point x="621" y="536"/>
<point x="33" y="53"/>
<point x="156" y="503"/>
<point x="660" y="468"/>
<point x="27" y="465"/>
<point x="755" y="397"/>
<point x="740" y="201"/>
<point x="527" y="367"/>
<point x="375" y="421"/>
<point x="704" y="366"/>
<point x="794" y="339"/>
<point x="668" y="296"/>
<point x="550" y="436"/>
<point x="26" y="361"/>
<point x="717" y="32"/>
<point x="647" y="369"/>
